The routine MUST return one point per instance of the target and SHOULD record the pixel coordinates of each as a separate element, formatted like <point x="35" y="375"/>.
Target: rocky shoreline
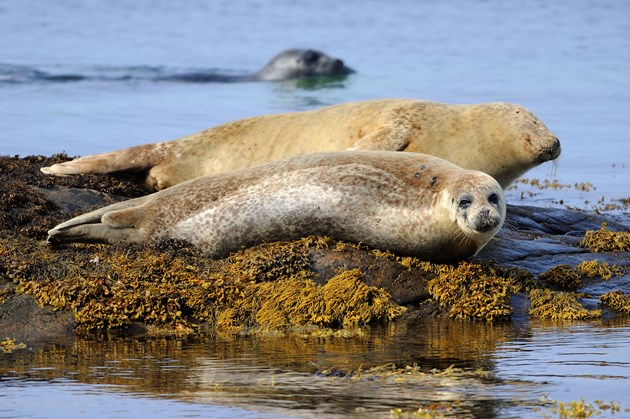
<point x="48" y="291"/>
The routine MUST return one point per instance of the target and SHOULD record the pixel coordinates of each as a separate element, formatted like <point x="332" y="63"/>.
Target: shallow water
<point x="568" y="61"/>
<point x="507" y="370"/>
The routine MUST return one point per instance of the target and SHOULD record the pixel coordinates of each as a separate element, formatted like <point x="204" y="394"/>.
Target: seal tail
<point x="112" y="224"/>
<point x="133" y="159"/>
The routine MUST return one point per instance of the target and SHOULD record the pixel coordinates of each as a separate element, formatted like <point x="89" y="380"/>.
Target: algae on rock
<point x="172" y="284"/>
<point x="604" y="240"/>
<point x="559" y="305"/>
<point x="595" y="269"/>
<point x="473" y="291"/>
<point x="616" y="300"/>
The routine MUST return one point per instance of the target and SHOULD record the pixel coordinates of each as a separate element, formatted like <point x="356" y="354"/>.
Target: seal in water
<point x="501" y="139"/>
<point x="408" y="203"/>
<point x="288" y="65"/>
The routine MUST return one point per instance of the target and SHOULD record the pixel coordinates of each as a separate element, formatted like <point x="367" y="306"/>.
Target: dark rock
<point x="76" y="200"/>
<point x="538" y="239"/>
<point x="406" y="286"/>
<point x="21" y="318"/>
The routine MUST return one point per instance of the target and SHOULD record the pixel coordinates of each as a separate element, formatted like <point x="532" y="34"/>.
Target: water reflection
<point x="467" y="368"/>
<point x="283" y="374"/>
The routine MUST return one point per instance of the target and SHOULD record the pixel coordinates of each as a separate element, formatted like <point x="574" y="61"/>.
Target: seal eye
<point x="309" y="57"/>
<point x="493" y="199"/>
<point x="465" y="203"/>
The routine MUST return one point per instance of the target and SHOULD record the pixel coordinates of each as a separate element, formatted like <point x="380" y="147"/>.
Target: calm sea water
<point x="567" y="60"/>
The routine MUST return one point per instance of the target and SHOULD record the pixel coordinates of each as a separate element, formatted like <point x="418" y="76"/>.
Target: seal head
<point x="300" y="63"/>
<point x="479" y="210"/>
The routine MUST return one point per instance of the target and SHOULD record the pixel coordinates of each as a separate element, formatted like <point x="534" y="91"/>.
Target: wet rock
<point x="76" y="200"/>
<point x="22" y="318"/>
<point x="538" y="239"/>
<point x="405" y="285"/>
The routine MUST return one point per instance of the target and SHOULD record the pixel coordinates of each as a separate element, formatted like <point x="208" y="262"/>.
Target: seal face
<point x="299" y="63"/>
<point x="409" y="203"/>
<point x="501" y="139"/>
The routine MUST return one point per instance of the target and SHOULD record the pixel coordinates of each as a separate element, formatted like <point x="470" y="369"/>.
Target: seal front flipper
<point x="384" y="139"/>
<point x="111" y="224"/>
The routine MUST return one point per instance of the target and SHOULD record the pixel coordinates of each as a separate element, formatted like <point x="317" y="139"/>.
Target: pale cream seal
<point x="501" y="139"/>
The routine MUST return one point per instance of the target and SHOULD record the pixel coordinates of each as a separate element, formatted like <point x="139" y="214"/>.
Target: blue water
<point x="567" y="60"/>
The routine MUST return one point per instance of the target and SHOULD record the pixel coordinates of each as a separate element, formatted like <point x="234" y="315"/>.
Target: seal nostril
<point x="555" y="148"/>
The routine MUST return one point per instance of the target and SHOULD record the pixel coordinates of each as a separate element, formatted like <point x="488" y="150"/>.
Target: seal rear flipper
<point x="111" y="224"/>
<point x="94" y="233"/>
<point x="133" y="159"/>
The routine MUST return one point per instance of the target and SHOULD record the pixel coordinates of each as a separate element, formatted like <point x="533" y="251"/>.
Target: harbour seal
<point x="501" y="139"/>
<point x="289" y="64"/>
<point x="300" y="63"/>
<point x="409" y="203"/>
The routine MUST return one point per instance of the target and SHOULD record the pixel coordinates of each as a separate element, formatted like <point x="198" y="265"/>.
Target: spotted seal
<point x="408" y="203"/>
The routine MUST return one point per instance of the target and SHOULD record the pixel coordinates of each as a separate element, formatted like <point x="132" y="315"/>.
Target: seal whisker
<point x="510" y="224"/>
<point x="464" y="238"/>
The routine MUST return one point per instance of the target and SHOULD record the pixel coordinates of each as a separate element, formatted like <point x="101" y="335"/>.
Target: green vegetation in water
<point x="604" y="240"/>
<point x="433" y="411"/>
<point x="559" y="305"/>
<point x="616" y="300"/>
<point x="411" y="373"/>
<point x="473" y="291"/>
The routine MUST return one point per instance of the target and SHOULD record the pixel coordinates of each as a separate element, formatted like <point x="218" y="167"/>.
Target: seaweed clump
<point x="616" y="300"/>
<point x="172" y="286"/>
<point x="9" y="345"/>
<point x="559" y="305"/>
<point x="570" y="278"/>
<point x="562" y="276"/>
<point x="604" y="240"/>
<point x="582" y="409"/>
<point x="595" y="269"/>
<point x="473" y="291"/>
<point x="295" y="302"/>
